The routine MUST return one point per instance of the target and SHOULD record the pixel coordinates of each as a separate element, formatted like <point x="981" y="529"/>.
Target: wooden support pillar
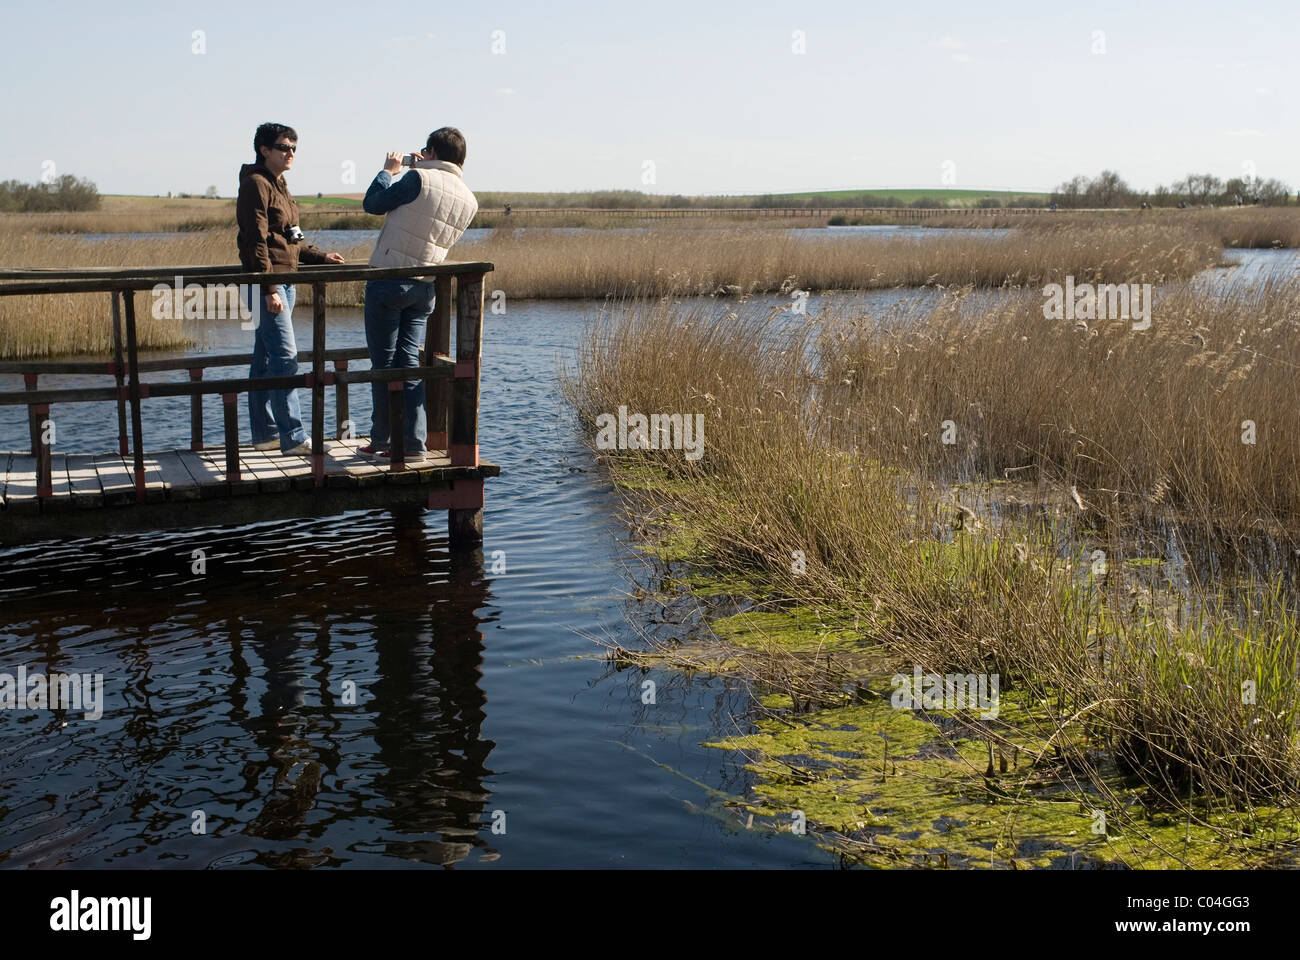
<point x="119" y="372"/>
<point x="318" y="383"/>
<point x="132" y="353"/>
<point x="437" y="391"/>
<point x="465" y="527"/>
<point x="463" y="502"/>
<point x="342" y="412"/>
<point x="30" y="382"/>
<point x="230" y="410"/>
<point x="196" y="413"/>
<point x="396" y="426"/>
<point x="462" y="447"/>
<point x="44" y="473"/>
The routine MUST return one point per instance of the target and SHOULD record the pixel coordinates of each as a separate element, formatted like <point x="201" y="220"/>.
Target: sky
<point x="666" y="97"/>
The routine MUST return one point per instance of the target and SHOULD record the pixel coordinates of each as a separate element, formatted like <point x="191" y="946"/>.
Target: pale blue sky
<point x="1010" y="94"/>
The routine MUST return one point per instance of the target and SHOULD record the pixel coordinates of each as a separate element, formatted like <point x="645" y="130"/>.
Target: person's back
<point x="424" y="229"/>
<point x="426" y="212"/>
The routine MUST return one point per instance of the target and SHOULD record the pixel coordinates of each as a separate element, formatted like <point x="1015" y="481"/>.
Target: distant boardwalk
<point x="44" y="493"/>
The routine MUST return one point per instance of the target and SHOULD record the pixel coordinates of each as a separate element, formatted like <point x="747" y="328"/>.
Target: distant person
<point x="426" y="213"/>
<point x="507" y="209"/>
<point x="271" y="240"/>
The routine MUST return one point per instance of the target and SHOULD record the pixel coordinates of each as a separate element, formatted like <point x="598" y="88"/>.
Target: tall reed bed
<point x="1116" y="671"/>
<point x="669" y="260"/>
<point x="57" y="324"/>
<point x="654" y="263"/>
<point x="1198" y="412"/>
<point x="1243" y="227"/>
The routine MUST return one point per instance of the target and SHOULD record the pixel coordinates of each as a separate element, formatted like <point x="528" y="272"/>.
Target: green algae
<point x="794" y="630"/>
<point x="897" y="786"/>
<point x="902" y="787"/>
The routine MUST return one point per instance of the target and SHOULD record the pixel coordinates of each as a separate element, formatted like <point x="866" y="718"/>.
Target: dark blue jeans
<point x="396" y="313"/>
<point x="275" y="354"/>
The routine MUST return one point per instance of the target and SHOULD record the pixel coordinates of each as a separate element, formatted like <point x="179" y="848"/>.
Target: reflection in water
<point x="334" y="671"/>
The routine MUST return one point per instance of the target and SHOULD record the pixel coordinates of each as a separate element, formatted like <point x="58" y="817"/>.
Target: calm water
<point x="478" y="694"/>
<point x="475" y="691"/>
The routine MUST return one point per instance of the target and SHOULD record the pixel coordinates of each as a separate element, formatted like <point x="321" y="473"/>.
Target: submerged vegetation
<point x="1148" y="712"/>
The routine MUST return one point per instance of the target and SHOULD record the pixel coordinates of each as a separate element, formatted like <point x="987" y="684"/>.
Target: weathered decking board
<point x="115" y="479"/>
<point x="20" y="485"/>
<point x="184" y="488"/>
<point x="83" y="481"/>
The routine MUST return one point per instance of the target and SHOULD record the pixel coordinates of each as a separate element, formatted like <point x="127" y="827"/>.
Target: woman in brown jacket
<point x="271" y="241"/>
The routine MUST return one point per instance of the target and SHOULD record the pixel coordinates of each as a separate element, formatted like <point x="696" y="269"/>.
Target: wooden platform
<point x="94" y="494"/>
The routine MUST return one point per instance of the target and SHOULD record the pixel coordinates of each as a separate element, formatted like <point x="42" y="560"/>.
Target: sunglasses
<point x="285" y="147"/>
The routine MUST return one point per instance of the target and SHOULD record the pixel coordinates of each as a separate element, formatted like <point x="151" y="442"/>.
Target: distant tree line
<point x="636" y="200"/>
<point x="65" y="193"/>
<point x="1108" y="189"/>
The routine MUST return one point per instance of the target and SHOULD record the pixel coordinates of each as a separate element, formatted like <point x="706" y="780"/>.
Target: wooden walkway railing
<point x="451" y="381"/>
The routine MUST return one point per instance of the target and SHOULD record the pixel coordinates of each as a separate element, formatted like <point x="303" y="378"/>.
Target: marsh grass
<point x="669" y="259"/>
<point x="1242" y="227"/>
<point x="540" y="263"/>
<point x="54" y="325"/>
<point x="1196" y="412"/>
<point x="1116" y="674"/>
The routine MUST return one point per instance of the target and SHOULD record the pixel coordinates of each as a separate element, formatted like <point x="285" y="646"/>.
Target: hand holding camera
<point x="395" y="161"/>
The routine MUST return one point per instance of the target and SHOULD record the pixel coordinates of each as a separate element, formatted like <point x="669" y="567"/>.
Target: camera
<point x="409" y="159"/>
<point x="294" y="233"/>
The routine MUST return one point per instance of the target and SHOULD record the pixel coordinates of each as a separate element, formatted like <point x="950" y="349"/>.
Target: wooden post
<point x="196" y="412"/>
<point x="318" y="383"/>
<point x="44" y="478"/>
<point x="132" y="352"/>
<point x="30" y="381"/>
<point x="230" y="406"/>
<point x="465" y="519"/>
<point x="396" y="426"/>
<point x="462" y="446"/>
<point x="119" y="371"/>
<point x="437" y="392"/>
<point x="342" y="412"/>
<point x="463" y="502"/>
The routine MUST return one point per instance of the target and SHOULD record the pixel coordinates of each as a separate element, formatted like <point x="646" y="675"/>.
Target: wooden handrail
<point x="146" y="278"/>
<point x="454" y="408"/>
<point x="94" y="368"/>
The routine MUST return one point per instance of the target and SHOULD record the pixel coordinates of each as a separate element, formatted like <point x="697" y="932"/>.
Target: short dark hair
<point x="448" y="144"/>
<point x="268" y="134"/>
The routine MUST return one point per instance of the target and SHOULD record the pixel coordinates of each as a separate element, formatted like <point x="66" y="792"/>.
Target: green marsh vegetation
<point x="1155" y="700"/>
<point x="673" y="258"/>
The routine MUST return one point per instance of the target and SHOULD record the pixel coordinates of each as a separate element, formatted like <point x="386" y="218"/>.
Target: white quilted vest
<point x="423" y="231"/>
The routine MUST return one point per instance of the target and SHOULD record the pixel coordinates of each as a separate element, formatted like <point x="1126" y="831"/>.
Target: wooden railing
<point x="451" y="383"/>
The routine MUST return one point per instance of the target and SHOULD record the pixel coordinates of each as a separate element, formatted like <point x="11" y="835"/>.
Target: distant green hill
<point x="948" y="197"/>
<point x="490" y="200"/>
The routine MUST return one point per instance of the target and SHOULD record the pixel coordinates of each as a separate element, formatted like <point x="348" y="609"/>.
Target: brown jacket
<point x="264" y="208"/>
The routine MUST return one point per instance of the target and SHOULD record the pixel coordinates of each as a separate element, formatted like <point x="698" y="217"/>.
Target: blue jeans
<point x="275" y="354"/>
<point x="396" y="313"/>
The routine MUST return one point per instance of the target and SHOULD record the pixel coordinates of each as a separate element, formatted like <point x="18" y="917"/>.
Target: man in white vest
<point x="426" y="211"/>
